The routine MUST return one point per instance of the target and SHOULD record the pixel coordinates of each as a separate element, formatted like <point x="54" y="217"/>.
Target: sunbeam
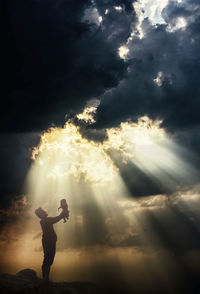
<point x="100" y="116"/>
<point x="105" y="216"/>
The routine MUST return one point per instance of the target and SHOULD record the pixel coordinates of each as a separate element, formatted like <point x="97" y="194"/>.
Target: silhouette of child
<point x="49" y="239"/>
<point x="64" y="206"/>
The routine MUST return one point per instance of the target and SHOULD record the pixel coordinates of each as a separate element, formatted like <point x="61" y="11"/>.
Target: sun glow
<point x="148" y="9"/>
<point x="179" y="24"/>
<point x="88" y="114"/>
<point x="63" y="153"/>
<point x="123" y="52"/>
<point x="89" y="174"/>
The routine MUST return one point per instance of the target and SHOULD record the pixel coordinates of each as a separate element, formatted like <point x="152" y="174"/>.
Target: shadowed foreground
<point x="26" y="281"/>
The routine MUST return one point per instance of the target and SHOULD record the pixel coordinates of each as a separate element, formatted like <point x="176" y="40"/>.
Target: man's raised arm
<point x="56" y="219"/>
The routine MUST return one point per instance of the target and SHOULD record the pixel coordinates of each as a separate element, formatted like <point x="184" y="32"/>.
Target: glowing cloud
<point x="158" y="79"/>
<point x="180" y="24"/>
<point x="87" y="173"/>
<point x="123" y="52"/>
<point x="148" y="9"/>
<point x="151" y="9"/>
<point x="63" y="153"/>
<point x="118" y="8"/>
<point x="88" y="113"/>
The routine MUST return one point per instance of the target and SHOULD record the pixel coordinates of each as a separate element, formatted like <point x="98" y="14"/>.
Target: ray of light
<point x="87" y="174"/>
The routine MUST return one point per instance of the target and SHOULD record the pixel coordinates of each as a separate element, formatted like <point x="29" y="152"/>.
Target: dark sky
<point x="59" y="54"/>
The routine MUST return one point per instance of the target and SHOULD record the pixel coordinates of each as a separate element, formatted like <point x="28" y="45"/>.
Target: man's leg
<point x="48" y="267"/>
<point x="49" y="254"/>
<point x="45" y="271"/>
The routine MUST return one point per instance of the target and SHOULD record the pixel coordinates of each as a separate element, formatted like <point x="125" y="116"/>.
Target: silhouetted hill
<point x="27" y="282"/>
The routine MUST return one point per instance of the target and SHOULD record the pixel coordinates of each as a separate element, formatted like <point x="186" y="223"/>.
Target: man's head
<point x="41" y="213"/>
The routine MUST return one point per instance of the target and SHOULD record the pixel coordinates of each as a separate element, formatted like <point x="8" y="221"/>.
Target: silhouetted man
<point x="49" y="239"/>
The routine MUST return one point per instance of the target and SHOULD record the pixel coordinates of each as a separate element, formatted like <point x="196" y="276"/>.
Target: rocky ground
<point x="27" y="282"/>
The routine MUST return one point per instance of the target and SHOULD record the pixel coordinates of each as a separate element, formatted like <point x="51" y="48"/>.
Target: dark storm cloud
<point x="109" y="4"/>
<point x="53" y="62"/>
<point x="176" y="54"/>
<point x="117" y="25"/>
